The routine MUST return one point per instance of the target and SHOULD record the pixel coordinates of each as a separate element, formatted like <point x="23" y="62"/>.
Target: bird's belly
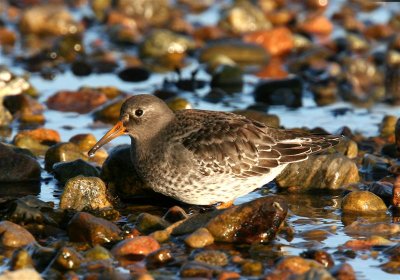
<point x="207" y="190"/>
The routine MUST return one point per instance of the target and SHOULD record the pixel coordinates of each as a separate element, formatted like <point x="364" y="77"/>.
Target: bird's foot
<point x="224" y="205"/>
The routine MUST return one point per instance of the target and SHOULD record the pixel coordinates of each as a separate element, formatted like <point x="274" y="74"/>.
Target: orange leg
<point x="224" y="205"/>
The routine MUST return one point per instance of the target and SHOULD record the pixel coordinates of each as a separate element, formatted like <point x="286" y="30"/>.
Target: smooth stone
<point x="37" y="140"/>
<point x="84" y="227"/>
<point x="134" y="74"/>
<point x="85" y="142"/>
<point x="152" y="12"/>
<point x="252" y="268"/>
<point x="286" y="92"/>
<point x="21" y="259"/>
<point x="85" y="193"/>
<point x="67" y="258"/>
<point x="82" y="101"/>
<point x="362" y="202"/>
<point x="199" y="239"/>
<point x="277" y="41"/>
<point x="347" y="147"/>
<point x="382" y="189"/>
<point x="98" y="253"/>
<point x="228" y="78"/>
<point x="109" y="112"/>
<point x="62" y="152"/>
<point x="254" y="221"/>
<point x="343" y="271"/>
<point x="387" y="126"/>
<point x="148" y="223"/>
<point x="141" y="245"/>
<point x="48" y="19"/>
<point x="158" y="258"/>
<point x="244" y="54"/>
<point x="16" y="166"/>
<point x="319" y="25"/>
<point x="297" y="265"/>
<point x="175" y="214"/>
<point x="81" y="68"/>
<point x="267" y="119"/>
<point x="364" y="228"/>
<point x="212" y="257"/>
<point x="196" y="270"/>
<point x="316" y="273"/>
<point x="14" y="236"/>
<point x="178" y="103"/>
<point x="375" y="167"/>
<point x="26" y="273"/>
<point x="118" y="172"/>
<point x="319" y="172"/>
<point x="63" y="171"/>
<point x="26" y="107"/>
<point x="320" y="256"/>
<point x="243" y="17"/>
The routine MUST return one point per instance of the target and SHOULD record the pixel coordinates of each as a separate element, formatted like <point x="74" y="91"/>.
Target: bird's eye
<point x="138" y="112"/>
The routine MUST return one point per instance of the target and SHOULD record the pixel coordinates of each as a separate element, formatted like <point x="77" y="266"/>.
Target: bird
<point x="203" y="157"/>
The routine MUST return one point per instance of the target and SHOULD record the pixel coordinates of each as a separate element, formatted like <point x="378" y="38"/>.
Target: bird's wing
<point x="229" y="143"/>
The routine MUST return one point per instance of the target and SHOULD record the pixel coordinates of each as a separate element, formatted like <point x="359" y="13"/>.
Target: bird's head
<point x="141" y="117"/>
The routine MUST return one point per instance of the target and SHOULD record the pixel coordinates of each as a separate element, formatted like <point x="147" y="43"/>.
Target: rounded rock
<point x="212" y="257"/>
<point x="14" y="236"/>
<point x="85" y="192"/>
<point x="199" y="239"/>
<point x="363" y="202"/>
<point x="141" y="245"/>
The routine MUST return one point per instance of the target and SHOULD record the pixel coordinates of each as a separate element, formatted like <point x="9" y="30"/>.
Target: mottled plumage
<point x="204" y="157"/>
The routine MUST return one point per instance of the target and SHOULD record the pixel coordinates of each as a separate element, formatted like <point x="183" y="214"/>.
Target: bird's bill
<point x="117" y="130"/>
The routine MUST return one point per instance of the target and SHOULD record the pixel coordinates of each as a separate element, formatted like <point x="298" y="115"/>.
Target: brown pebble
<point x="362" y="202"/>
<point x="141" y="245"/>
<point x="14" y="236"/>
<point x="396" y="193"/>
<point x="199" y="239"/>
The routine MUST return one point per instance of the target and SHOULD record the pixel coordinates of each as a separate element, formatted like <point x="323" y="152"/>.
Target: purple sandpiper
<point x="206" y="157"/>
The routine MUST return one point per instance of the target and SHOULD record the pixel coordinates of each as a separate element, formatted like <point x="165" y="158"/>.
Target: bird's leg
<point x="224" y="205"/>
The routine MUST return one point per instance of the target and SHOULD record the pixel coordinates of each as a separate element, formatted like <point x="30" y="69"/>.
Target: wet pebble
<point x="62" y="152"/>
<point x="14" y="236"/>
<point x="98" y="253"/>
<point x="16" y="166"/>
<point x="141" y="245"/>
<point x="228" y="78"/>
<point x="109" y="112"/>
<point x="158" y="258"/>
<point x="277" y="41"/>
<point x="320" y="256"/>
<point x="244" y="54"/>
<point x="254" y="221"/>
<point x="297" y="265"/>
<point x="178" y="103"/>
<point x="37" y="140"/>
<point x="252" y="268"/>
<point x="343" y="271"/>
<point x="49" y="20"/>
<point x="367" y="243"/>
<point x="148" y="223"/>
<point x="196" y="270"/>
<point x="134" y="74"/>
<point x="67" y="258"/>
<point x="85" y="193"/>
<point x="63" y="171"/>
<point x="387" y="126"/>
<point x="199" y="239"/>
<point x="27" y="273"/>
<point x="321" y="171"/>
<point x="84" y="227"/>
<point x="362" y="202"/>
<point x="212" y="257"/>
<point x="319" y="25"/>
<point x="368" y="229"/>
<point x="81" y="101"/>
<point x="175" y="214"/>
<point x="286" y="92"/>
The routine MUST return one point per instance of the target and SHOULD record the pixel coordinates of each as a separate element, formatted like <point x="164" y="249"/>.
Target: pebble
<point x="387" y="126"/>
<point x="158" y="258"/>
<point x="37" y="140"/>
<point x="16" y="166"/>
<point x="67" y="258"/>
<point x="175" y="214"/>
<point x="63" y="171"/>
<point x="252" y="268"/>
<point x="62" y="152"/>
<point x="196" y="270"/>
<point x="277" y="41"/>
<point x="212" y="257"/>
<point x="297" y="265"/>
<point x="199" y="239"/>
<point x="319" y="172"/>
<point x="141" y="245"/>
<point x="343" y="271"/>
<point x="98" y="253"/>
<point x="82" y="101"/>
<point x="362" y="202"/>
<point x="14" y="236"/>
<point x="148" y="223"/>
<point x="84" y="227"/>
<point x="254" y="221"/>
<point x="368" y="229"/>
<point x="85" y="193"/>
<point x="26" y="273"/>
